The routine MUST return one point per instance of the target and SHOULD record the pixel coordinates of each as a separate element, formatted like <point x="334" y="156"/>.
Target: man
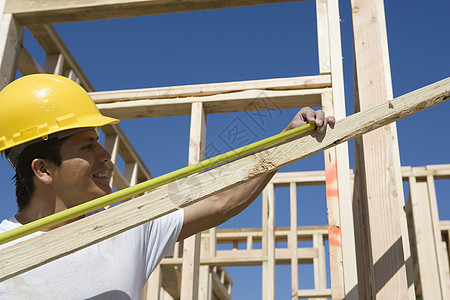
<point x="47" y="131"/>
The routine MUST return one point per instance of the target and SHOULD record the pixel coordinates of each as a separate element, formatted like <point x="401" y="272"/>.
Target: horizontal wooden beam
<point x="67" y="239"/>
<point x="304" y="233"/>
<point x="57" y="11"/>
<point x="441" y="171"/>
<point x="265" y="94"/>
<point x="251" y="100"/>
<point x="314" y="293"/>
<point x="250" y="257"/>
<point x="208" y="89"/>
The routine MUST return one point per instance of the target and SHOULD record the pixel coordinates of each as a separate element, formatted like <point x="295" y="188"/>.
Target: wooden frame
<point x="324" y="90"/>
<point x="17" y="258"/>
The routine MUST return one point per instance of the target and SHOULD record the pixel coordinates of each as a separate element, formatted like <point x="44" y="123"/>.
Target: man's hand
<point x="218" y="208"/>
<point x="308" y="115"/>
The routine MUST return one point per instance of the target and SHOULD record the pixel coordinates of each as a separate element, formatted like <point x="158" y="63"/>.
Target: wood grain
<point x="80" y="234"/>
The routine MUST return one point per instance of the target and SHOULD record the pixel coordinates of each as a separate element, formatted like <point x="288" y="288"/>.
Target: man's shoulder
<point x="8" y="224"/>
<point x="12" y="223"/>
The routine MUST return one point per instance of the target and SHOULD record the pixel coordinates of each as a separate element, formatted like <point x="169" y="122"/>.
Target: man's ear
<point x="43" y="170"/>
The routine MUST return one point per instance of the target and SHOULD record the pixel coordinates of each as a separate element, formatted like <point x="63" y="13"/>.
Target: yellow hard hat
<point x="35" y="106"/>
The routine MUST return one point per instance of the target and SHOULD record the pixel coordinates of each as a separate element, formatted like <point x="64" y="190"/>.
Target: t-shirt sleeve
<point x="160" y="237"/>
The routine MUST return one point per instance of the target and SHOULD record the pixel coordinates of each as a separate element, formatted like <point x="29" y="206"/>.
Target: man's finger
<point x="320" y="119"/>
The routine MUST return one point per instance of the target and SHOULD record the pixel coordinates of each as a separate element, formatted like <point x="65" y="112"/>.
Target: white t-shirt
<point x="116" y="268"/>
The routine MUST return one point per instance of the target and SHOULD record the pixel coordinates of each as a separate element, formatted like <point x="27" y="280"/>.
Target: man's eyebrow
<point x="89" y="139"/>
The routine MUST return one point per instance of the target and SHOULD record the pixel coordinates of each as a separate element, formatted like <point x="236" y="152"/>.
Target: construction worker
<point x="47" y="132"/>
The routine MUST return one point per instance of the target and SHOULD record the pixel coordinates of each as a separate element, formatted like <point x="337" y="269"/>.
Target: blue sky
<point x="269" y="41"/>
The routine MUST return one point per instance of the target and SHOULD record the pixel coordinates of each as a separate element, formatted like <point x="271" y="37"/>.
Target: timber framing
<point x="55" y="11"/>
<point x="267" y="94"/>
<point x="203" y="273"/>
<point x="34" y="252"/>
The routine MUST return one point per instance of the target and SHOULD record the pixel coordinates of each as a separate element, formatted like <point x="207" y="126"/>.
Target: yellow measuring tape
<point x="142" y="187"/>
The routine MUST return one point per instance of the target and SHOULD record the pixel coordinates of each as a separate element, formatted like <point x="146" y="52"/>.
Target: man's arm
<point x="217" y="209"/>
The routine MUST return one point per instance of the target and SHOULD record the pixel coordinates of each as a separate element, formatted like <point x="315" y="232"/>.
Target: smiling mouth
<point x="101" y="175"/>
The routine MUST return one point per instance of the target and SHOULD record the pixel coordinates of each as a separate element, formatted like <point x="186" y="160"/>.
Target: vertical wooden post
<point x="205" y="289"/>
<point x="268" y="243"/>
<point x="11" y="35"/>
<point x="152" y="289"/>
<point x="342" y="156"/>
<point x="380" y="166"/>
<point x="191" y="253"/>
<point x="431" y="274"/>
<point x="320" y="279"/>
<point x="293" y="241"/>
<point x="444" y="278"/>
<point x="111" y="145"/>
<point x="54" y="64"/>
<point x="340" y="215"/>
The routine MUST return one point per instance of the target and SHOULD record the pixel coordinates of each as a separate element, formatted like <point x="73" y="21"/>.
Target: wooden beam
<point x="266" y="94"/>
<point x="56" y="11"/>
<point x="209" y="89"/>
<point x="293" y="242"/>
<point x="314" y="293"/>
<point x="425" y="240"/>
<point x="249" y="258"/>
<point x="383" y="265"/>
<point x="127" y="151"/>
<point x="347" y="280"/>
<point x="250" y="100"/>
<point x="158" y="202"/>
<point x="441" y="171"/>
<point x="11" y="34"/>
<point x="240" y="235"/>
<point x="52" y="44"/>
<point x="27" y="64"/>
<point x="191" y="253"/>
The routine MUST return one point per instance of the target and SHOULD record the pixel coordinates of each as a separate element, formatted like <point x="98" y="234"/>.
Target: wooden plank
<point x="314" y="293"/>
<point x="266" y="94"/>
<point x="54" y="64"/>
<point x="269" y="280"/>
<point x="318" y="177"/>
<point x="264" y="241"/>
<point x="152" y="289"/>
<point x="205" y="283"/>
<point x="241" y="235"/>
<point x="127" y="151"/>
<point x="191" y="254"/>
<point x="293" y="239"/>
<point x="334" y="226"/>
<point x="80" y="234"/>
<point x="320" y="271"/>
<point x="389" y="248"/>
<point x="27" y="64"/>
<point x="426" y="251"/>
<point x="349" y="282"/>
<point x="52" y="43"/>
<point x="250" y="258"/>
<point x="209" y="89"/>
<point x="251" y="100"/>
<point x="437" y="171"/>
<point x="323" y="36"/>
<point x="56" y="11"/>
<point x="442" y="264"/>
<point x="219" y="289"/>
<point x="205" y="288"/>
<point x="11" y="35"/>
<point x="171" y="280"/>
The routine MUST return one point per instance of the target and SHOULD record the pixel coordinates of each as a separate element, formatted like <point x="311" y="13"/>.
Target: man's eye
<point x="87" y="146"/>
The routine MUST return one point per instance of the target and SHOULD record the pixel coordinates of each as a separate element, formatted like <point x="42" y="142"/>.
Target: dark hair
<point x="46" y="149"/>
